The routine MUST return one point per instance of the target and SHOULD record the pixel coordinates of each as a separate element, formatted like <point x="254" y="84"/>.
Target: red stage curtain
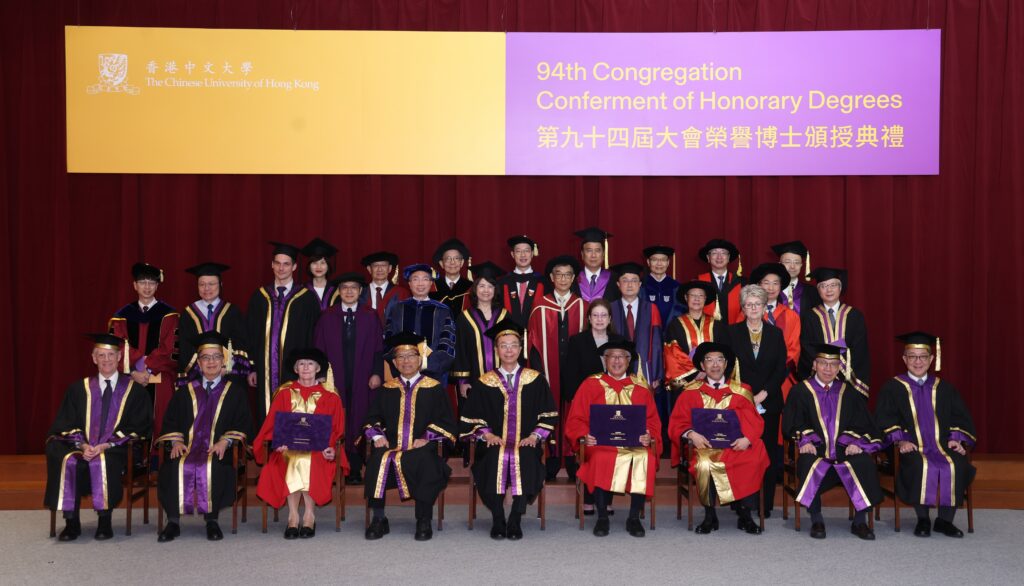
<point x="939" y="253"/>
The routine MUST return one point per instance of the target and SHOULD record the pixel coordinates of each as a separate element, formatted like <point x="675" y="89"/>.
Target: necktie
<point x="509" y="377"/>
<point x="105" y="405"/>
<point x="522" y="293"/>
<point x="349" y="316"/>
<point x="280" y="292"/>
<point x="716" y="385"/>
<point x="721" y="282"/>
<point x="828" y="387"/>
<point x="380" y="298"/>
<point x="209" y="311"/>
<point x="630" y="323"/>
<point x="593" y="280"/>
<point x="209" y="387"/>
<point x="771" y="314"/>
<point x="832" y="318"/>
<point x="145" y="308"/>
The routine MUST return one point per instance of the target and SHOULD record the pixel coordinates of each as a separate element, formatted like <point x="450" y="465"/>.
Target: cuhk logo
<point x="112" y="75"/>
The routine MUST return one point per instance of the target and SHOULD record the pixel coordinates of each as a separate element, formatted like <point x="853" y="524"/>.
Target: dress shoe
<point x="424" y="530"/>
<point x="378" y="528"/>
<point x="514" y="531"/>
<point x="601" y="527"/>
<point x="707" y="526"/>
<point x="611" y="512"/>
<point x="171" y="531"/>
<point x="307" y="532"/>
<point x="72" y="529"/>
<point x="291" y="533"/>
<point x="498" y="531"/>
<point x="588" y="512"/>
<point x="213" y="532"/>
<point x="923" y="528"/>
<point x="747" y="525"/>
<point x="103" y="529"/>
<point x="635" y="528"/>
<point x="818" y="530"/>
<point x="948" y="529"/>
<point x="862" y="531"/>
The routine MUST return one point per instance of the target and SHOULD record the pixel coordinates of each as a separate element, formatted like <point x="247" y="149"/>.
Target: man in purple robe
<point x="798" y="296"/>
<point x="352" y="338"/>
<point x="595" y="280"/>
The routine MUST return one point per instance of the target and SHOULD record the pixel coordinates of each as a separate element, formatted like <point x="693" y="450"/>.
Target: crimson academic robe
<point x="68" y="475"/>
<point x="456" y="298"/>
<point x="788" y="321"/>
<point x="362" y="354"/>
<point x="432" y="320"/>
<point x="512" y="412"/>
<point x="832" y="420"/>
<point x="850" y="328"/>
<point x="276" y="328"/>
<point x="741" y="471"/>
<point x="620" y="470"/>
<point x="226" y="319"/>
<point x="516" y="303"/>
<point x="402" y="415"/>
<point x="200" y="419"/>
<point x="728" y="302"/>
<point x="294" y="470"/>
<point x="927" y="415"/>
<point x="682" y="336"/>
<point x="152" y="346"/>
<point x="327" y="299"/>
<point x="390" y="294"/>
<point x="475" y="353"/>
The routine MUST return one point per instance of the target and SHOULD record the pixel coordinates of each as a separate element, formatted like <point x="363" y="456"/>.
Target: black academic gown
<point x="928" y="416"/>
<point x="509" y="411"/>
<point x="227" y="319"/>
<point x="201" y="475"/>
<point x="453" y="297"/>
<point x="403" y="415"/>
<point x="583" y="360"/>
<point x="815" y="328"/>
<point x="68" y="475"/>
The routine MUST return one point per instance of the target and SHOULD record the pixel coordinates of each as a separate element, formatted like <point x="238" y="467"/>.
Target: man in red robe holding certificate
<point x="733" y="473"/>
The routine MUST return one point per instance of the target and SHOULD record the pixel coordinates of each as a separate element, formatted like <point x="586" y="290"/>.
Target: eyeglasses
<point x="211" y="358"/>
<point x="917" y="357"/>
<point x="827" y="363"/>
<point x="617" y="356"/>
<point x="350" y="287"/>
<point x="630" y="281"/>
<point x="753" y="305"/>
<point x="714" y="360"/>
<point x="829" y="285"/>
<point x="407" y="357"/>
<point x="511" y="346"/>
<point x="563" y="275"/>
<point x="452" y="259"/>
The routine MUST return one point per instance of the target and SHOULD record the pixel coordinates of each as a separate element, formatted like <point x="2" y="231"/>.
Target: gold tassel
<point x="735" y="371"/>
<point x="718" y="312"/>
<point x="739" y="265"/>
<point x="329" y="383"/>
<point x="673" y="266"/>
<point x="127" y="367"/>
<point x="229" y="357"/>
<point x="424" y="354"/>
<point x="469" y="268"/>
<point x="536" y="251"/>
<point x="807" y="267"/>
<point x="938" y="354"/>
<point x="848" y="371"/>
<point x="161" y="275"/>
<point x="606" y="252"/>
<point x="433" y="273"/>
<point x="394" y="277"/>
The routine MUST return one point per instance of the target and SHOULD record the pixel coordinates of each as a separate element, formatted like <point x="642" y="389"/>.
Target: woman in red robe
<point x="292" y="475"/>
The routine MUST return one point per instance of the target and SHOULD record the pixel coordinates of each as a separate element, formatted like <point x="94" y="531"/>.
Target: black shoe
<point x="213" y="532"/>
<point x="862" y="531"/>
<point x="601" y="527"/>
<point x="307" y="532"/>
<point x="923" y="528"/>
<point x="948" y="529"/>
<point x="354" y="479"/>
<point x="291" y="533"/>
<point x="747" y="525"/>
<point x="424" y="530"/>
<point x="103" y="529"/>
<point x="707" y="526"/>
<point x="72" y="529"/>
<point x="818" y="530"/>
<point x="498" y="531"/>
<point x="171" y="531"/>
<point x="611" y="512"/>
<point x="514" y="531"/>
<point x="635" y="528"/>
<point x="588" y="512"/>
<point x="767" y="514"/>
<point x="378" y="528"/>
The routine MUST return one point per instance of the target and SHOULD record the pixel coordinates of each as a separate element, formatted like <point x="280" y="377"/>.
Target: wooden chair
<point x="240" y="464"/>
<point x="791" y="486"/>
<point x="338" y="485"/>
<point x="686" y="485"/>
<point x="541" y="508"/>
<point x="580" y="488"/>
<point x="889" y="470"/>
<point x="440" y="497"/>
<point x="136" y="482"/>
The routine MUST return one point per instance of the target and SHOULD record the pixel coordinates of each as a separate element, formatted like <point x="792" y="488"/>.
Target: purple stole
<point x="837" y="336"/>
<point x="325" y="301"/>
<point x="212" y="323"/>
<point x="278" y="309"/>
<point x="393" y="457"/>
<point x="509" y="478"/>
<point x="794" y="303"/>
<point x="588" y="292"/>
<point x="96" y="432"/>
<point x="938" y="478"/>
<point x="194" y="467"/>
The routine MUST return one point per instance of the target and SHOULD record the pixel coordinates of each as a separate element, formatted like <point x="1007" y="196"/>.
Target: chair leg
<point x="275" y="515"/>
<point x="472" y="505"/>
<point x="128" y="511"/>
<point x="440" y="511"/>
<point x="234" y="515"/>
<point x="654" y="510"/>
<point x="579" y="502"/>
<point x="145" y="500"/>
<point x="849" y="515"/>
<point x="760" y="508"/>
<point x="796" y="514"/>
<point x="367" y="523"/>
<point x="263" y="507"/>
<point x="159" y="519"/>
<point x="691" y="489"/>
<point x="895" y="508"/>
<point x="53" y="523"/>
<point x="970" y="509"/>
<point x="542" y="509"/>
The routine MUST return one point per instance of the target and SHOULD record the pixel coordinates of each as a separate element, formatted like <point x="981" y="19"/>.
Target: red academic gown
<point x="601" y="461"/>
<point x="733" y="284"/>
<point x="293" y="397"/>
<point x="152" y="336"/>
<point x="682" y="336"/>
<point x="744" y="469"/>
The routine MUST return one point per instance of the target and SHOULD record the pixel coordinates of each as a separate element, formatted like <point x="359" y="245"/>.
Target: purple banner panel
<point x="766" y="103"/>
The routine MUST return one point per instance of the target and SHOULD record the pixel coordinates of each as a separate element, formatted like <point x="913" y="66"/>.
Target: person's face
<point x="830" y="290"/>
<point x="407" y="362"/>
<point x="599" y="319"/>
<point x="318" y="268"/>
<point x="714" y="365"/>
<point x="349" y="292"/>
<point x="753" y="308"/>
<point x="522" y="254"/>
<point x="617" y="362"/>
<point x="306" y="369"/>
<point x="419" y="284"/>
<point x="593" y="255"/>
<point x="794" y="263"/>
<point x="695" y="299"/>
<point x="827" y="369"/>
<point x="629" y="286"/>
<point x="484" y="292"/>
<point x="772" y="285"/>
<point x="106" y="360"/>
<point x="509" y="348"/>
<point x="209" y="287"/>
<point x="380" y="271"/>
<point x="561" y="277"/>
<point x="452" y="262"/>
<point x="658" y="263"/>
<point x="718" y="258"/>
<point x="918" y="361"/>
<point x="211" y="362"/>
<point x="146" y="289"/>
<point x="283" y="267"/>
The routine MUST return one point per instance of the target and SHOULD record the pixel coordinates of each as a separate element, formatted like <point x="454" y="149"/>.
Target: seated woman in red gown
<point x="293" y="475"/>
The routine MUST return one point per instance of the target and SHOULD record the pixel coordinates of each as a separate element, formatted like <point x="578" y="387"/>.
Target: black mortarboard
<point x="146" y="272"/>
<point x="488" y="270"/>
<point x="350" y="278"/>
<point x="211" y="338"/>
<point x="505" y="326"/>
<point x="207" y="269"/>
<point x="593" y="234"/>
<point x="622" y="344"/>
<point x="415" y="268"/>
<point x="827" y="273"/>
<point x="829" y="350"/>
<point x="708" y="347"/>
<point x="523" y="239"/>
<point x="734" y="253"/>
<point x="628" y="267"/>
<point x="659" y="249"/>
<point x="924" y="340"/>
<point x="319" y="248"/>
<point x="308" y="353"/>
<point x="106" y="341"/>
<point x="406" y="340"/>
<point x="562" y="260"/>
<point x="794" y="247"/>
<point x="710" y="294"/>
<point x="285" y="249"/>
<point x="381" y="255"/>
<point x="451" y="244"/>
<point x="770" y="268"/>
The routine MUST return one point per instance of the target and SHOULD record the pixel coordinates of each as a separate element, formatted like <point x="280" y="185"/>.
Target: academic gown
<point x="661" y="293"/>
<point x="831" y="421"/>
<point x="391" y="294"/>
<point x="475" y="353"/>
<point x="432" y="320"/>
<point x="512" y="412"/>
<point x="728" y="297"/>
<point x="518" y="307"/>
<point x="326" y="300"/>
<point x="682" y="336"/>
<point x="619" y="470"/>
<point x="788" y="321"/>
<point x="276" y="328"/>
<point x="805" y="298"/>
<point x="647" y="337"/>
<point x="850" y="327"/>
<point x="927" y="415"/>
<point x="737" y="474"/>
<point x="603" y="288"/>
<point x="294" y="470"/>
<point x="200" y="419"/>
<point x="363" y="354"/>
<point x="583" y="360"/>
<point x="403" y="415"/>
<point x="152" y="345"/>
<point x="68" y="475"/>
<point x="228" y="320"/>
<point x="456" y="298"/>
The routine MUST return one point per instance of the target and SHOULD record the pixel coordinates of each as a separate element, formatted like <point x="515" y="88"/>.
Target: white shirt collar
<point x="451" y="283"/>
<point x="561" y="300"/>
<point x="623" y="377"/>
<point x="383" y="286"/>
<point x="407" y="381"/>
<point x="204" y="380"/>
<point x="346" y="306"/>
<point x="287" y="288"/>
<point x="589" y="274"/>
<point x="147" y="307"/>
<point x="919" y="381"/>
<point x="821" y="384"/>
<point x="724" y="273"/>
<point x="202" y="303"/>
<point x="526" y="271"/>
<point x="112" y="379"/>
<point x="834" y="308"/>
<point x="505" y="373"/>
<point x="721" y="382"/>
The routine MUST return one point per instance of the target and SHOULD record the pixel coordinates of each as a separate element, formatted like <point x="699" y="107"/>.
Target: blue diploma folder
<point x="618" y="425"/>
<point x="301" y="431"/>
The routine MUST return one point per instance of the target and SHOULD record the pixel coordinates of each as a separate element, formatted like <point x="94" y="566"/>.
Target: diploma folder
<point x="720" y="427"/>
<point x="618" y="425"/>
<point x="303" y="432"/>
